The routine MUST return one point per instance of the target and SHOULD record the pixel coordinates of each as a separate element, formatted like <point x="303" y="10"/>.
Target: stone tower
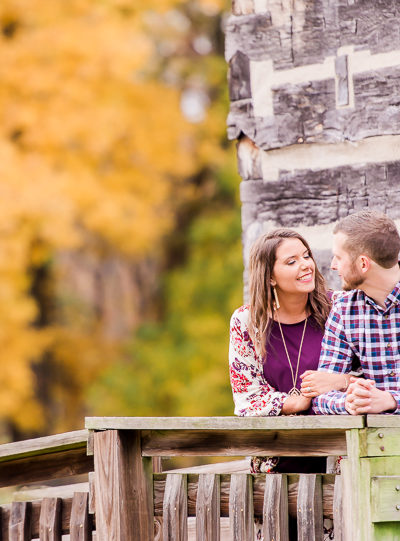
<point x="315" y="106"/>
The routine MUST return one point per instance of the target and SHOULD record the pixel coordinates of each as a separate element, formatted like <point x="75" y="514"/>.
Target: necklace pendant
<point x="294" y="392"/>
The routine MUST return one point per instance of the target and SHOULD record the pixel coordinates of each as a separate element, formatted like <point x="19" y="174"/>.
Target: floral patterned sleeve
<point x="252" y="394"/>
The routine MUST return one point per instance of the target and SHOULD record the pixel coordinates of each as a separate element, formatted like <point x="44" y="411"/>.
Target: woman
<point x="276" y="340"/>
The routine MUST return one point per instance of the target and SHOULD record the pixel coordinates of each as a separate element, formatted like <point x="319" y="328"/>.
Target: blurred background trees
<point x="120" y="253"/>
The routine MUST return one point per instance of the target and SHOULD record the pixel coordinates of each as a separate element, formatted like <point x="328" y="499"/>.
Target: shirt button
<point x="388" y="345"/>
<point x="392" y="374"/>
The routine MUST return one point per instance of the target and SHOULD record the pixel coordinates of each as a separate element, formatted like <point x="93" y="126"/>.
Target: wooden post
<point x="19" y="528"/>
<point x="175" y="508"/>
<point x="208" y="508"/>
<point x="123" y="487"/>
<point x="309" y="508"/>
<point x="356" y="488"/>
<point x="50" y="520"/>
<point x="276" y="513"/>
<point x="80" y="523"/>
<point x="241" y="510"/>
<point x="338" y="509"/>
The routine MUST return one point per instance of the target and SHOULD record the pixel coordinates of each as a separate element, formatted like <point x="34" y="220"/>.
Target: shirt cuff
<point x="396" y="396"/>
<point x="330" y="403"/>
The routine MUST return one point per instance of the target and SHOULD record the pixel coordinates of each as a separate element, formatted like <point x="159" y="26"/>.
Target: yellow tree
<point x="94" y="153"/>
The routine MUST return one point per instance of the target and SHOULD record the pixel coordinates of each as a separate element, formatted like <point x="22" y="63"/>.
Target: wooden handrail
<point x="49" y="457"/>
<point x="44" y="445"/>
<point x="296" y="422"/>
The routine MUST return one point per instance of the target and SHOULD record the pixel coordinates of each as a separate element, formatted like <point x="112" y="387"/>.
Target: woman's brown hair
<point x="261" y="266"/>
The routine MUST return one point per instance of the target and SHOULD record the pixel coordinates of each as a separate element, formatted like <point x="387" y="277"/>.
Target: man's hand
<point x="363" y="397"/>
<point x="295" y="404"/>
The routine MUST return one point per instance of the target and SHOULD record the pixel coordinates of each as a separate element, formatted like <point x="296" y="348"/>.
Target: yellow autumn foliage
<point x="94" y="153"/>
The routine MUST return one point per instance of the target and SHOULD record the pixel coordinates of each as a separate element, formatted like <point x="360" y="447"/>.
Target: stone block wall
<point x="315" y="107"/>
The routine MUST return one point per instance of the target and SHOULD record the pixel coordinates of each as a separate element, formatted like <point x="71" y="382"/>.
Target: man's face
<point x="344" y="264"/>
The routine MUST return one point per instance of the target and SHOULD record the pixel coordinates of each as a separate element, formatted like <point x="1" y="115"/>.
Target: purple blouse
<point x="278" y="374"/>
<point x="276" y="365"/>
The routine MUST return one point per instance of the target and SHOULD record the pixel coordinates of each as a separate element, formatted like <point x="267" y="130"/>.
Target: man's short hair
<point x="371" y="233"/>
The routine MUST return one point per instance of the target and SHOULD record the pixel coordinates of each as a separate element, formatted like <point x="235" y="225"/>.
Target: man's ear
<point x="365" y="263"/>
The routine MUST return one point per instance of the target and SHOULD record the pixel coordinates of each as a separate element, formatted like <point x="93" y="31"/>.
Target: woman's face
<point x="294" y="269"/>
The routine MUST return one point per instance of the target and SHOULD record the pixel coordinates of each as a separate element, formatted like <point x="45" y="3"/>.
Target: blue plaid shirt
<point x="358" y="327"/>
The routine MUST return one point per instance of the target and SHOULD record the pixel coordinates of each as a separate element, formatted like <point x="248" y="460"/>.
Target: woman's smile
<point x="306" y="277"/>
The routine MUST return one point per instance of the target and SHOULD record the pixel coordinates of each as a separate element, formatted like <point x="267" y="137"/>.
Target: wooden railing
<point x="127" y="498"/>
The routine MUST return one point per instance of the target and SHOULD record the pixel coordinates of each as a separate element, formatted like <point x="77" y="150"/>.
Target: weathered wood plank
<point x="92" y="493"/>
<point x="241" y="510"/>
<point x="233" y="466"/>
<point x="20" y="522"/>
<point x="244" y="442"/>
<point x="80" y="523"/>
<point x="45" y="467"/>
<point x="382" y="421"/>
<point x="311" y="422"/>
<point x="157" y="464"/>
<point x="175" y="515"/>
<point x="385" y="499"/>
<point x="47" y="444"/>
<point x="338" y="509"/>
<point x="49" y="522"/>
<point x="383" y="441"/>
<point x="123" y="488"/>
<point x="258" y="494"/>
<point x="309" y="508"/>
<point x="275" y="512"/>
<point x="66" y="492"/>
<point x="356" y="485"/>
<point x="208" y="508"/>
<point x="35" y="518"/>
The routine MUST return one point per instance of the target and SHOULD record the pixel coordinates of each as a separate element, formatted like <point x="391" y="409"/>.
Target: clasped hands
<point x="363" y="397"/>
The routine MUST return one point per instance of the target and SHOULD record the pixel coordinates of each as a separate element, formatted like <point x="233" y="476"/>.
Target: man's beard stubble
<point x="354" y="280"/>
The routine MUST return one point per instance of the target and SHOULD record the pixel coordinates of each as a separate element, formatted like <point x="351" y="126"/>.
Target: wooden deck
<point x="126" y="496"/>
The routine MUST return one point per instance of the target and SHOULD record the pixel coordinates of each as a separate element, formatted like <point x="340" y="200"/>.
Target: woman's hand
<point x="315" y="383"/>
<point x="295" y="404"/>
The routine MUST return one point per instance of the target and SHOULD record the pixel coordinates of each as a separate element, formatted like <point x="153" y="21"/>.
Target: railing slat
<point x="276" y="511"/>
<point x="208" y="508"/>
<point x="241" y="511"/>
<point x="19" y="528"/>
<point x="80" y="529"/>
<point x="309" y="508"/>
<point x="50" y="520"/>
<point x="92" y="493"/>
<point x="175" y="508"/>
<point x="338" y="509"/>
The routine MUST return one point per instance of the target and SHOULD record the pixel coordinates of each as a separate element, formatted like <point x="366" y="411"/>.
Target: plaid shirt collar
<point x="391" y="300"/>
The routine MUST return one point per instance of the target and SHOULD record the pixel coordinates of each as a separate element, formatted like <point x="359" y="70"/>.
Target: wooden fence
<point x="128" y="497"/>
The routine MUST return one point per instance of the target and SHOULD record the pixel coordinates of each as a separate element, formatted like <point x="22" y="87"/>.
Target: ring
<point x="308" y="389"/>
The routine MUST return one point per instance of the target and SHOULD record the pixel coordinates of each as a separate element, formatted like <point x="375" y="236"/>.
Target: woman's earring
<point x="277" y="305"/>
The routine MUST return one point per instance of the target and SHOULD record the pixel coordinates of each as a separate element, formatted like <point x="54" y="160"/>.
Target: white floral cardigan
<point x="252" y="394"/>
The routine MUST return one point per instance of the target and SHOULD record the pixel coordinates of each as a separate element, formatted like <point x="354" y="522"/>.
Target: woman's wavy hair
<point x="261" y="266"/>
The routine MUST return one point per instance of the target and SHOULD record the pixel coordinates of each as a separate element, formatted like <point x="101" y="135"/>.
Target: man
<point x="365" y="321"/>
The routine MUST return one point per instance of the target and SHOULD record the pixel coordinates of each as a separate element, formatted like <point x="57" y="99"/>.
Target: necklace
<point x="293" y="391"/>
